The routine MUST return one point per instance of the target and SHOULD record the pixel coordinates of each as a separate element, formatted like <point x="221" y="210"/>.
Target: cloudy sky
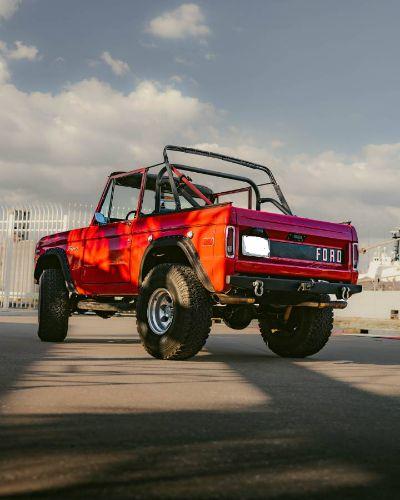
<point x="312" y="88"/>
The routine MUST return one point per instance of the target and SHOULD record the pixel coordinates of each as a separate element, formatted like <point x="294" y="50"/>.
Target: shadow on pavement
<point x="18" y="350"/>
<point x="315" y="437"/>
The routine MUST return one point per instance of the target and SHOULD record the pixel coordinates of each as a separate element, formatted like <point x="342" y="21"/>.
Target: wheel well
<point x="55" y="259"/>
<point x="164" y="254"/>
<point x="47" y="262"/>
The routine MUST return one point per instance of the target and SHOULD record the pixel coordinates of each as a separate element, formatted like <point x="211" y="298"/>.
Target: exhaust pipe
<point x="229" y="299"/>
<point x="335" y="304"/>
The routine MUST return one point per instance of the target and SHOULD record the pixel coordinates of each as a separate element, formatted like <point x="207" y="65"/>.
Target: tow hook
<point x="306" y="285"/>
<point x="345" y="292"/>
<point x="258" y="288"/>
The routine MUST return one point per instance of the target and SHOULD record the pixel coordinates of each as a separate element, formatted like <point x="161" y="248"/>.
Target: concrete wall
<point x="371" y="304"/>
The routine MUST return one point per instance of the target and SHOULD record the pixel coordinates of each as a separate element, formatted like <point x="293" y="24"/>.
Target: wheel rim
<point x="160" y="311"/>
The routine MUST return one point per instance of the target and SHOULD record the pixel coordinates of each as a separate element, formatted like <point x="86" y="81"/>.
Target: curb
<point x="365" y="332"/>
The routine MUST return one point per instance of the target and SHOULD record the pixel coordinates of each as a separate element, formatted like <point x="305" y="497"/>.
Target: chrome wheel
<point x="160" y="311"/>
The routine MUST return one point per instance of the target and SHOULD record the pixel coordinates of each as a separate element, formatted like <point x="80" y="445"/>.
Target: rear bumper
<point x="262" y="285"/>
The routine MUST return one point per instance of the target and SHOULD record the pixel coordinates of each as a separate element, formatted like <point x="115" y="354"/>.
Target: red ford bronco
<point x="173" y="251"/>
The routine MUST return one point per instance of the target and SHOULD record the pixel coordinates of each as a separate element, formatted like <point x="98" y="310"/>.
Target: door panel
<point x="107" y="253"/>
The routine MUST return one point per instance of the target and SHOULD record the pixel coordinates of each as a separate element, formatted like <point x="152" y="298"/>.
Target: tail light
<point x="230" y="235"/>
<point x="355" y="256"/>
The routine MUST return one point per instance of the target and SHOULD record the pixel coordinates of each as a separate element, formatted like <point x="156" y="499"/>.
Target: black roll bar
<point x="223" y="175"/>
<point x="282" y="200"/>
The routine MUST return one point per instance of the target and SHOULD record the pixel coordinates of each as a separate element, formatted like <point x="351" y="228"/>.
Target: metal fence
<point x="20" y="229"/>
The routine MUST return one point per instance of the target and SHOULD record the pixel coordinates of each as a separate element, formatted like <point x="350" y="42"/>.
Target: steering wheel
<point x="132" y="212"/>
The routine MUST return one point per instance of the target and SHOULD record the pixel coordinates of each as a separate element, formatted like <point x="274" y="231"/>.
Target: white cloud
<point x="8" y="8"/>
<point x="21" y="51"/>
<point x="185" y="21"/>
<point x="176" y="78"/>
<point x="117" y="66"/>
<point x="182" y="60"/>
<point x="361" y="188"/>
<point x="61" y="147"/>
<point x="277" y="143"/>
<point x="4" y="73"/>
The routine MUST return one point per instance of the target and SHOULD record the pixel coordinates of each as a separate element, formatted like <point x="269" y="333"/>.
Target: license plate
<point x="331" y="255"/>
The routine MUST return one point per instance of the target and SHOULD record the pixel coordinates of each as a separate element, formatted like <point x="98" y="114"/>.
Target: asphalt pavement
<point x="96" y="416"/>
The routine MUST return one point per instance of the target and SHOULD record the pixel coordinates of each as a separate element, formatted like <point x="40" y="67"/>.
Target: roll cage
<point x="281" y="204"/>
<point x="179" y="184"/>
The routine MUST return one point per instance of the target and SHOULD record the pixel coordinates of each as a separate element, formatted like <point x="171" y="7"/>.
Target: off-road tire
<point x="313" y="328"/>
<point x="54" y="307"/>
<point x="191" y="323"/>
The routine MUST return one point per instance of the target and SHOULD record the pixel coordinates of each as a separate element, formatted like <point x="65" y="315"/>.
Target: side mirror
<point x="100" y="218"/>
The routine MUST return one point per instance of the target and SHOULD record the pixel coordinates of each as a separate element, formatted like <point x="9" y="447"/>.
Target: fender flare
<point x="186" y="245"/>
<point x="61" y="256"/>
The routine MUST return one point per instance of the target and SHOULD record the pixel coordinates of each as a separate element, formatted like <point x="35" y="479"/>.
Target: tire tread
<point x="195" y="321"/>
<point x="53" y="307"/>
<point x="319" y="323"/>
